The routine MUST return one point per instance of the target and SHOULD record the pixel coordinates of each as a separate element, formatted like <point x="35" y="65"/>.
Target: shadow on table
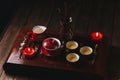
<point x="55" y="75"/>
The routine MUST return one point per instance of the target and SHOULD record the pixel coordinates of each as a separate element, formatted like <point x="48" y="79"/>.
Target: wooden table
<point x="55" y="67"/>
<point x="88" y="16"/>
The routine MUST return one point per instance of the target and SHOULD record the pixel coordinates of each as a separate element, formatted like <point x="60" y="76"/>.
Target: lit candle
<point x="97" y="36"/>
<point x="29" y="52"/>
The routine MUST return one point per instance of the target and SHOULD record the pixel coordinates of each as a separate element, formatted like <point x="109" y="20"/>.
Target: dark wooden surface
<point x="58" y="65"/>
<point x="87" y="15"/>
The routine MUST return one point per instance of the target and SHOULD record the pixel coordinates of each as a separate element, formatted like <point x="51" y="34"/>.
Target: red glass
<point x="29" y="52"/>
<point x="51" y="46"/>
<point x="97" y="36"/>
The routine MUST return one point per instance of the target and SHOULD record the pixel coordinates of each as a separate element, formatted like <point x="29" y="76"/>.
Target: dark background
<point x="7" y="11"/>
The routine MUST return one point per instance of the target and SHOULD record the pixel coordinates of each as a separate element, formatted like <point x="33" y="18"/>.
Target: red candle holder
<point x="97" y="36"/>
<point x="29" y="52"/>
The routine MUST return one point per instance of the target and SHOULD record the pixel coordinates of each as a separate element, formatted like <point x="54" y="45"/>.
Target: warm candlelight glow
<point x="29" y="52"/>
<point x="96" y="36"/>
<point x="29" y="49"/>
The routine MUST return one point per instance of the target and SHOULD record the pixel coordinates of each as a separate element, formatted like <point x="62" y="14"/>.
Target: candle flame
<point x="28" y="49"/>
<point x="97" y="34"/>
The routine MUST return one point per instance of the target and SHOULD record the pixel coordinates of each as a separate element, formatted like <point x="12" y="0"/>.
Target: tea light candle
<point x="96" y="36"/>
<point x="29" y="52"/>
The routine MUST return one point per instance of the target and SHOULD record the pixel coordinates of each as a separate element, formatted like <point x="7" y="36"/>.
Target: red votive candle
<point x="96" y="36"/>
<point x="29" y="52"/>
